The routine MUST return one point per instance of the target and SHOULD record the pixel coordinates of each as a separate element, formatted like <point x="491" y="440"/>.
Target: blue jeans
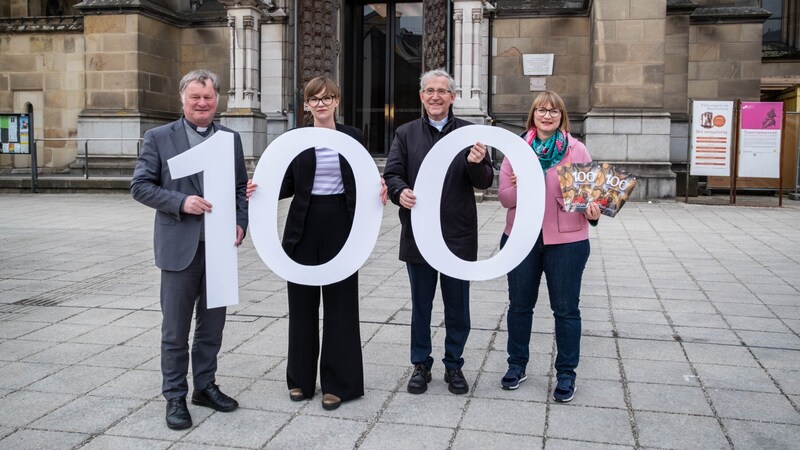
<point x="455" y="294"/>
<point x="563" y="266"/>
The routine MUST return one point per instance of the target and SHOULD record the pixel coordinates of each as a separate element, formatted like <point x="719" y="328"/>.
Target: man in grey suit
<point x="179" y="243"/>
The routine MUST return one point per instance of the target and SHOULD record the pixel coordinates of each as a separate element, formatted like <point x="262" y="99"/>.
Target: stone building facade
<point x="105" y="71"/>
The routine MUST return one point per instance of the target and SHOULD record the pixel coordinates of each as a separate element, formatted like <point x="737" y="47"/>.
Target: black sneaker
<point x="418" y="383"/>
<point x="565" y="390"/>
<point x="178" y="417"/>
<point x="456" y="383"/>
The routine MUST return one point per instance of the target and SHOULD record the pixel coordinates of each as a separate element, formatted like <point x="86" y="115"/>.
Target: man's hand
<point x="196" y="205"/>
<point x="239" y="235"/>
<point x="407" y="198"/>
<point x="476" y="153"/>
<point x="251" y="187"/>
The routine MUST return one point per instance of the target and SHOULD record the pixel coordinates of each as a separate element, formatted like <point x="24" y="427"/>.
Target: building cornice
<point x="542" y="8"/>
<point x="729" y="14"/>
<point x="153" y="9"/>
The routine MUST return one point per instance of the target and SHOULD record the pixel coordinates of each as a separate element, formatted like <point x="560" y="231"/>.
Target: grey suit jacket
<point x="177" y="234"/>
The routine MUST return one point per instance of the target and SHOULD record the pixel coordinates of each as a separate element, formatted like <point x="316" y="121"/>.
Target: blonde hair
<point x="541" y="101"/>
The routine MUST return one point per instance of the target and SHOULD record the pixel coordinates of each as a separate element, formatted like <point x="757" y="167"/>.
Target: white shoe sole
<point x="511" y="388"/>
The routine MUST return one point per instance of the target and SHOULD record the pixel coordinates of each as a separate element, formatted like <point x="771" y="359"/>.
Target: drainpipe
<point x="296" y="56"/>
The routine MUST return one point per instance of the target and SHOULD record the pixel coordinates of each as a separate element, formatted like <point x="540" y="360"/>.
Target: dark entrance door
<point x="382" y="65"/>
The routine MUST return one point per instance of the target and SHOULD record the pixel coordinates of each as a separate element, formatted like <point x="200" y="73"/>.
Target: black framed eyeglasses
<point x="315" y="101"/>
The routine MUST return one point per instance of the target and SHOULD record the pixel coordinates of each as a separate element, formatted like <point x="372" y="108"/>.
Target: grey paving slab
<point x="679" y="431"/>
<point x="705" y="298"/>
<point x="38" y="439"/>
<point x="757" y="434"/>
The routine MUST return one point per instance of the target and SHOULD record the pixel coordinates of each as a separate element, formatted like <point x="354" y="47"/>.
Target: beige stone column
<point x="244" y="94"/>
<point x="467" y="50"/>
<point x="627" y="123"/>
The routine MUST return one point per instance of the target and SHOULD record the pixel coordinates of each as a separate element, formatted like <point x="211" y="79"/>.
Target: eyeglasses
<point x="430" y="91"/>
<point x="315" y="101"/>
<point x="541" y="112"/>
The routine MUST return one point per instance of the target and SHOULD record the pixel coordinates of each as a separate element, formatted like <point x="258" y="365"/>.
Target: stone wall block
<point x="605" y="31"/>
<point x="747" y="90"/>
<point x="740" y="51"/>
<point x="599" y="125"/>
<point x="716" y="33"/>
<point x="719" y="71"/>
<point x="630" y="30"/>
<point x="653" y="74"/>
<point x="647" y="52"/>
<point x="651" y="9"/>
<point x="534" y="28"/>
<point x="627" y="125"/>
<point x="20" y="63"/>
<point x="648" y="147"/>
<point x="655" y="125"/>
<point x="623" y="74"/>
<point x="570" y="27"/>
<point x="104" y="24"/>
<point x="506" y="27"/>
<point x="52" y="81"/>
<point x="611" y="9"/>
<point x="703" y="89"/>
<point x="103" y="62"/>
<point x="606" y="147"/>
<point x="611" y="52"/>
<point x="676" y="63"/>
<point x="566" y="65"/>
<point x="106" y="100"/>
<point x="579" y="46"/>
<point x="26" y="81"/>
<point x="654" y="30"/>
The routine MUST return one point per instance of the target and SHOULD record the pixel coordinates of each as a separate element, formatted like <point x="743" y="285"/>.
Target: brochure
<point x="602" y="183"/>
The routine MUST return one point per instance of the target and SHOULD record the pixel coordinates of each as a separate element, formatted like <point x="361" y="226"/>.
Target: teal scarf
<point x="551" y="151"/>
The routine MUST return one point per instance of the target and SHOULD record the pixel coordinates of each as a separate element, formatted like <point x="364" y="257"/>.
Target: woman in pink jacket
<point x="561" y="251"/>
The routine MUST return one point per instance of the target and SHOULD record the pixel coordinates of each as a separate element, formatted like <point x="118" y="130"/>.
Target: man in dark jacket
<point x="470" y="169"/>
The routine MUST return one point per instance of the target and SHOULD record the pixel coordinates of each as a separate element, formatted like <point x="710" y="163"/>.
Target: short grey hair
<point x="201" y="76"/>
<point x="436" y="73"/>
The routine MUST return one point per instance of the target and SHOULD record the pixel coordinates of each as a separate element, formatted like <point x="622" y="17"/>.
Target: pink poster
<point x="760" y="139"/>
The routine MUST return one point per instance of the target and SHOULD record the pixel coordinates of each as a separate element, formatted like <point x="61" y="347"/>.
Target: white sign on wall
<point x="537" y="64"/>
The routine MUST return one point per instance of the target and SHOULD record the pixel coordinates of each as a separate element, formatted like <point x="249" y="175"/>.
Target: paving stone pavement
<point x="690" y="340"/>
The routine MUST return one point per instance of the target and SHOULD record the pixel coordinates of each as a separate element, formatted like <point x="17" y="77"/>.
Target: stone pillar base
<point x="638" y="141"/>
<point x="113" y="141"/>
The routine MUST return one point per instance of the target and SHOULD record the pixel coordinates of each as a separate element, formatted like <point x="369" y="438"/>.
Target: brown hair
<point x="320" y="84"/>
<point x="541" y="101"/>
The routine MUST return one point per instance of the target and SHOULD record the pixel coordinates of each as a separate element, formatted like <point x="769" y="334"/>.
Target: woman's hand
<point x="513" y="179"/>
<point x="384" y="191"/>
<point x="251" y="187"/>
<point x="592" y="211"/>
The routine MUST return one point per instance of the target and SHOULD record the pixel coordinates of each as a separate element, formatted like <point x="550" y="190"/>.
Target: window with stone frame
<point x="781" y="29"/>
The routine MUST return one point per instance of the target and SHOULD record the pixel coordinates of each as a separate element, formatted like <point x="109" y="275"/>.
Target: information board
<point x="760" y="139"/>
<point x="711" y="137"/>
<point x="15" y="133"/>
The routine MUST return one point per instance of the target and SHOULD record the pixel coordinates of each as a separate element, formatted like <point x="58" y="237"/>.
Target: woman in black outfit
<point x="317" y="226"/>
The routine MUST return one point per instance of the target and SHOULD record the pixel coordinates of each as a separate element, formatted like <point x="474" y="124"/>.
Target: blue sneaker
<point x="513" y="378"/>
<point x="565" y="390"/>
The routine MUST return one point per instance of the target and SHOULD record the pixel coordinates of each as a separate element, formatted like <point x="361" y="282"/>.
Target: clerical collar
<point x="202" y="131"/>
<point x="439" y="124"/>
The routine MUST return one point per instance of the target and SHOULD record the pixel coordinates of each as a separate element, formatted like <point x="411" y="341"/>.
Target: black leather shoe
<point x="456" y="383"/>
<point x="178" y="417"/>
<point x="418" y="383"/>
<point x="213" y="398"/>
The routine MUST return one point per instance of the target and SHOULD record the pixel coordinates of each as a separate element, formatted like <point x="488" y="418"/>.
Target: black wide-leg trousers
<point x="327" y="226"/>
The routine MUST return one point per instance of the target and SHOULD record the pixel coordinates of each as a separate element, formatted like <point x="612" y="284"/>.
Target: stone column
<point x="627" y="123"/>
<point x="243" y="112"/>
<point x="468" y="18"/>
<point x="275" y="74"/>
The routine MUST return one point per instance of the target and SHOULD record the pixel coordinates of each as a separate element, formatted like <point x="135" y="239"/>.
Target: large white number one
<point x="263" y="208"/>
<point x="214" y="157"/>
<point x="426" y="217"/>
